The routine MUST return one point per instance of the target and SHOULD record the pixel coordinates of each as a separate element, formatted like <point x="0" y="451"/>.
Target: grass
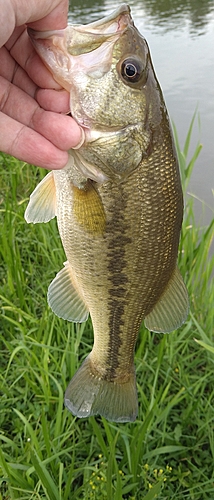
<point x="46" y="453"/>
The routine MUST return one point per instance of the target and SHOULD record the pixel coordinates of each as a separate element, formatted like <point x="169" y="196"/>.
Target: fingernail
<point x="81" y="140"/>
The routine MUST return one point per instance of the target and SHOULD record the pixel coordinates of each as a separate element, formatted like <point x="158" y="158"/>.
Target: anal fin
<point x="172" y="308"/>
<point x="63" y="298"/>
<point x="42" y="204"/>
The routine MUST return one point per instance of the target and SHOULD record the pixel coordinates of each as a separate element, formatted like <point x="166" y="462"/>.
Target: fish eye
<point x="131" y="70"/>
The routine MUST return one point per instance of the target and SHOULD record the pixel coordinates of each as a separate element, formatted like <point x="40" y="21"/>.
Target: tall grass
<point x="46" y="453"/>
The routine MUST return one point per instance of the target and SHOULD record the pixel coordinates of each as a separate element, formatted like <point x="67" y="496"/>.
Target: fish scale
<point x="119" y="208"/>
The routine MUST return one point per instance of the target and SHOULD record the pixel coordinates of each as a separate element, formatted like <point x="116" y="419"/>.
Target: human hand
<point x="31" y="126"/>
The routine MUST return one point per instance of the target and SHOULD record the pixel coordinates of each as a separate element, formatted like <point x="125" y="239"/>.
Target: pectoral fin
<point x="42" y="204"/>
<point x="88" y="209"/>
<point x="64" y="299"/>
<point x="172" y="308"/>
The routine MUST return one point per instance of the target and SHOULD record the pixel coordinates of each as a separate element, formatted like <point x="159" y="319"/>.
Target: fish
<point x="118" y="204"/>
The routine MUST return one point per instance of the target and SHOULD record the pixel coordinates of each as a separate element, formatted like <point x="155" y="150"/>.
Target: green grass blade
<point x="189" y="135"/>
<point x="206" y="346"/>
<point x="47" y="482"/>
<point x="46" y="453"/>
<point x="99" y="437"/>
<point x="155" y="490"/>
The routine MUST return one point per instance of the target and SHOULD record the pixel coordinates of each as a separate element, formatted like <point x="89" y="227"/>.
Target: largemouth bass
<point x="118" y="204"/>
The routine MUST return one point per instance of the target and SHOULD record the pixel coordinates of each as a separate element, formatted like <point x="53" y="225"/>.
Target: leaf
<point x="48" y="483"/>
<point x="163" y="450"/>
<point x="153" y="492"/>
<point x="206" y="346"/>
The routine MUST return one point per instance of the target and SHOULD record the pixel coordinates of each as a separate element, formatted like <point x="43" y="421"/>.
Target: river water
<point x="180" y="35"/>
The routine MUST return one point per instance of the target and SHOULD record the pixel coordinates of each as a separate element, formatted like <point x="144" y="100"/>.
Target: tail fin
<point x="88" y="395"/>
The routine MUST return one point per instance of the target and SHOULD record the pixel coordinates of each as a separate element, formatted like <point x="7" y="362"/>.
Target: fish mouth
<point x="115" y="22"/>
<point x="81" y="51"/>
<point x="85" y="49"/>
<point x="112" y="23"/>
<point x="80" y="39"/>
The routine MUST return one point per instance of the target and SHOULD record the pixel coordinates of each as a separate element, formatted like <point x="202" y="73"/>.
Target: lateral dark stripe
<point x="117" y="229"/>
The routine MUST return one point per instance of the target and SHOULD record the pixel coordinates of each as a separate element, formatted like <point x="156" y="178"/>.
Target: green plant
<point x="46" y="453"/>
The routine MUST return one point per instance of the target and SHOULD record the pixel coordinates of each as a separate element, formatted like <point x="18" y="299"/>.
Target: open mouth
<point x="81" y="49"/>
<point x="114" y="22"/>
<point x="77" y="35"/>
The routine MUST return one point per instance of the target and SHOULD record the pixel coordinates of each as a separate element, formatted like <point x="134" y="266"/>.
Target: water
<point x="181" y="39"/>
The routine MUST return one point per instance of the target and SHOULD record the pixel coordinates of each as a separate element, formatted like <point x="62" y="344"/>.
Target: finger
<point x="8" y="65"/>
<point x="61" y="130"/>
<point x="43" y="15"/>
<point x="48" y="99"/>
<point x="29" y="146"/>
<point x="12" y="72"/>
<point x="54" y="100"/>
<point x="24" y="54"/>
<point x="55" y="19"/>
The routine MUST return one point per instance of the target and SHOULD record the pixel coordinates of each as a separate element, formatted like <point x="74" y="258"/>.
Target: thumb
<point x="40" y="14"/>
